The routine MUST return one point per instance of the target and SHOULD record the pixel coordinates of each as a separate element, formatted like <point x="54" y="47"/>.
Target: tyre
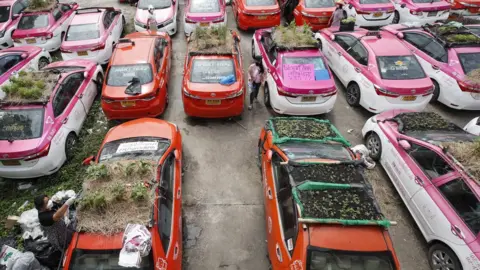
<point x="43" y="62"/>
<point x="374" y="145"/>
<point x="353" y="95"/>
<point x="441" y="257"/>
<point x="396" y="17"/>
<point x="266" y="96"/>
<point x="99" y="83"/>
<point x="436" y="91"/>
<point x="69" y="144"/>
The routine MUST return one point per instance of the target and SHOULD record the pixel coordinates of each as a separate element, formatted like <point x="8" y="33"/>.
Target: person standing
<point x="338" y="14"/>
<point x="255" y="79"/>
<point x="152" y="20"/>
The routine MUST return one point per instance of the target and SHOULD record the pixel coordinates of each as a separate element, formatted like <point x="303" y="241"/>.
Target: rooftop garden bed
<point x="474" y="76"/>
<point x="328" y="173"/>
<point x="468" y="154"/>
<point x="293" y="36"/>
<point x="423" y="121"/>
<point x="214" y="40"/>
<point x="453" y="33"/>
<point x="30" y="87"/>
<point x="40" y="5"/>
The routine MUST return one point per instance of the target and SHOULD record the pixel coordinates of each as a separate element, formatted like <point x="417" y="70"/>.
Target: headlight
<point x="2" y="33"/>
<point x="139" y="24"/>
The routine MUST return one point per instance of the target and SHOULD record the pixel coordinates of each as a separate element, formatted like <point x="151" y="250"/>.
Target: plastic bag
<point x="250" y="87"/>
<point x="365" y="153"/>
<point x="24" y="261"/>
<point x="137" y="243"/>
<point x="44" y="252"/>
<point x="62" y="195"/>
<point x="30" y="224"/>
<point x="228" y="80"/>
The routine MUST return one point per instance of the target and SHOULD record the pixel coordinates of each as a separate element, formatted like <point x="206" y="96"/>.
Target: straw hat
<point x="339" y="2"/>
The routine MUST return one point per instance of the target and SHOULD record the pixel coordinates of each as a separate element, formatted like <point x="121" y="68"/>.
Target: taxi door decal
<point x="296" y="265"/>
<point x="161" y="264"/>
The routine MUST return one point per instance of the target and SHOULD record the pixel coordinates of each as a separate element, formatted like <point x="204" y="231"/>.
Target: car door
<point x="342" y="46"/>
<point x="88" y="90"/>
<point x="67" y="15"/>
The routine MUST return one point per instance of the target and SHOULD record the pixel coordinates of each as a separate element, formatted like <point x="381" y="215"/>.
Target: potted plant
<point x="347" y="24"/>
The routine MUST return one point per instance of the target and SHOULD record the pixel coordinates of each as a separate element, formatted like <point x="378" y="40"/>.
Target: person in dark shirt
<point x="53" y="223"/>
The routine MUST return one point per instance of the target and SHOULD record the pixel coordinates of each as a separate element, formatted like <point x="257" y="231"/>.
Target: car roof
<point x="7" y="2"/>
<point x="87" y="18"/>
<point x="143" y="127"/>
<point x="387" y="45"/>
<point x="137" y="53"/>
<point x="467" y="49"/>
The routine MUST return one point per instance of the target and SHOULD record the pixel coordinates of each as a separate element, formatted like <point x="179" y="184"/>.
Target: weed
<point x="97" y="171"/>
<point x="139" y="192"/>
<point x="328" y="173"/>
<point x="291" y="36"/>
<point x="302" y="128"/>
<point x="211" y="39"/>
<point x="30" y="86"/>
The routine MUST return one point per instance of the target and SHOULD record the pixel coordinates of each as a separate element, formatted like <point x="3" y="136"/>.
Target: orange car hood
<point x="118" y="92"/>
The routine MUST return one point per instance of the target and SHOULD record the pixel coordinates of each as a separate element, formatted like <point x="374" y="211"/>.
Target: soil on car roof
<point x="302" y="128"/>
<point x="328" y="173"/>
<point x="420" y="121"/>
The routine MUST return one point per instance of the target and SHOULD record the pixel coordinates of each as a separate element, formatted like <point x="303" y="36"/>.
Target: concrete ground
<point x="222" y="198"/>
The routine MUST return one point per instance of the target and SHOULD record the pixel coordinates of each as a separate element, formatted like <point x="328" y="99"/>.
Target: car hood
<point x="118" y="92"/>
<point x="161" y="15"/>
<point x="212" y="90"/>
<point x="408" y="87"/>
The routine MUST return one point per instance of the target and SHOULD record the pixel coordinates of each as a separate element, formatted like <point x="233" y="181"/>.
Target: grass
<point x="468" y="154"/>
<point x="302" y="128"/>
<point x="463" y="38"/>
<point x="421" y="121"/>
<point x="293" y="36"/>
<point x="211" y="39"/>
<point x="349" y="20"/>
<point x="328" y="173"/>
<point x="474" y="76"/>
<point x="30" y="86"/>
<point x="38" y="5"/>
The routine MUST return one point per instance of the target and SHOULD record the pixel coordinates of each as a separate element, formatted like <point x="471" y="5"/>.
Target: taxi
<point x="253" y="14"/>
<point x="315" y="13"/>
<point x="370" y="13"/>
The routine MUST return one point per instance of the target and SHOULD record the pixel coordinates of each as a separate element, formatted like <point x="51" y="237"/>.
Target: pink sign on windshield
<point x="299" y="72"/>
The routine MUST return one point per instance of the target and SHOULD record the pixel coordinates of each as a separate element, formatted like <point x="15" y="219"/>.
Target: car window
<point x="428" y="45"/>
<point x="33" y="21"/>
<point x="260" y="2"/>
<point x="288" y="217"/>
<point x="16" y="9"/>
<point x="464" y="201"/>
<point x="122" y="75"/>
<point x="165" y="210"/>
<point x="9" y="61"/>
<point x="57" y="14"/>
<point x="78" y="32"/>
<point x="66" y="92"/>
<point x="469" y="61"/>
<point x="359" y="53"/>
<point x="21" y="124"/>
<point x="5" y="13"/>
<point x="430" y="162"/>
<point x="107" y="19"/>
<point x="204" y="6"/>
<point x="374" y="1"/>
<point x="280" y="174"/>
<point x="158" y="52"/>
<point x="400" y="67"/>
<point x="344" y="41"/>
<point x="65" y="8"/>
<point x="269" y="47"/>
<point x="319" y="3"/>
<point x="157" y="4"/>
<point x="212" y="70"/>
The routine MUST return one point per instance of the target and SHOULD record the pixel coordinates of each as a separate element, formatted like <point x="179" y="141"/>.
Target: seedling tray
<point x="335" y="173"/>
<point x="422" y="121"/>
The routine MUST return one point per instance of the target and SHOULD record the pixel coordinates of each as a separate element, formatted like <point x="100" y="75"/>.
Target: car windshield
<point x="399" y="68"/>
<point x="374" y="2"/>
<point x="323" y="259"/>
<point x="469" y="61"/>
<point x="21" y="124"/>
<point x="157" y="4"/>
<point x="4" y="13"/>
<point x="441" y="136"/>
<point x="260" y="2"/>
<point x="211" y="70"/>
<point x="204" y="6"/>
<point x="33" y="21"/>
<point x="319" y="3"/>
<point x="314" y="150"/>
<point x="105" y="260"/>
<point x="150" y="148"/>
<point x="122" y="75"/>
<point x="425" y="1"/>
<point x="304" y="69"/>
<point x="83" y="32"/>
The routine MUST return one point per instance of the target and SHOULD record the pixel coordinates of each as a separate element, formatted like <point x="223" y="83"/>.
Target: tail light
<point x="466" y="88"/>
<point x="330" y="94"/>
<point x="236" y="94"/>
<point x="107" y="100"/>
<point x="281" y="92"/>
<point x="98" y="48"/>
<point x="221" y="19"/>
<point x="418" y="13"/>
<point x="187" y="20"/>
<point x="152" y="96"/>
<point x="383" y="92"/>
<point x="42" y="153"/>
<point x="429" y="92"/>
<point x="49" y="35"/>
<point x="188" y="94"/>
<point x="307" y="14"/>
<point x="64" y="51"/>
<point x="363" y="12"/>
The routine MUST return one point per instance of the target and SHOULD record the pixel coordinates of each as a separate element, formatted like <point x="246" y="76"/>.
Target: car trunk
<point x="118" y="99"/>
<point x="432" y="7"/>
<point x="212" y="91"/>
<point x="81" y="45"/>
<point x="204" y="17"/>
<point x="161" y="15"/>
<point x="13" y="153"/>
<point x="411" y="87"/>
<point x="318" y="15"/>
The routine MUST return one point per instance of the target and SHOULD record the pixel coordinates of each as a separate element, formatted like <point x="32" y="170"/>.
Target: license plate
<point x="82" y="53"/>
<point x="127" y="103"/>
<point x="432" y="14"/>
<point x="213" y="102"/>
<point x="11" y="162"/>
<point x="409" y="98"/>
<point x="204" y="24"/>
<point x="309" y="99"/>
<point x="262" y="17"/>
<point x="31" y="41"/>
<point x="377" y="14"/>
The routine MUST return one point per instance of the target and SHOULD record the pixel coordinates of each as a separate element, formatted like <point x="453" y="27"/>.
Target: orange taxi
<point x="254" y="14"/>
<point x="309" y="176"/>
<point x="204" y="94"/>
<point x="150" y="140"/>
<point x="137" y="76"/>
<point x="315" y="13"/>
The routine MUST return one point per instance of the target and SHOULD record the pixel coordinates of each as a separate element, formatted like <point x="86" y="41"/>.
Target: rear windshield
<point x="122" y="75"/>
<point x="469" y="61"/>
<point x="374" y="2"/>
<point x="337" y="260"/>
<point x="314" y="150"/>
<point x="33" y="21"/>
<point x="21" y="124"/>
<point x="150" y="148"/>
<point x="4" y="13"/>
<point x="211" y="70"/>
<point x="157" y="4"/>
<point x="426" y="1"/>
<point x="441" y="136"/>
<point x="260" y="2"/>
<point x="319" y="3"/>
<point x="105" y="260"/>
<point x="399" y="68"/>
<point x="304" y="69"/>
<point x="83" y="32"/>
<point x="204" y="6"/>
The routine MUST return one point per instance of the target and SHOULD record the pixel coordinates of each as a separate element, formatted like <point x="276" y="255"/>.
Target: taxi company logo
<point x="310" y="92"/>
<point x="213" y="94"/>
<point x="414" y="91"/>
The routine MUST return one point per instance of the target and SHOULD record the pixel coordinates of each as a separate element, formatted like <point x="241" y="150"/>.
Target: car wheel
<point x="374" y="145"/>
<point x="442" y="257"/>
<point x="436" y="91"/>
<point x="253" y="49"/>
<point x="43" y="62"/>
<point x="69" y="144"/>
<point x="124" y="26"/>
<point x="353" y="95"/>
<point x="266" y="96"/>
<point x="62" y="36"/>
<point x="396" y="17"/>
<point x="99" y="83"/>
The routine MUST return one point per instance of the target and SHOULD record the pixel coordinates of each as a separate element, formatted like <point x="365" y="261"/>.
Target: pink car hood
<point x="161" y="15"/>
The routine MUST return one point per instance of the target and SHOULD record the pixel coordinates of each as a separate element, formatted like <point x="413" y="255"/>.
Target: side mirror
<point x="400" y="35"/>
<point x="177" y="154"/>
<point x="404" y="144"/>
<point x="269" y="155"/>
<point x="24" y="55"/>
<point x="350" y="6"/>
<point x="88" y="160"/>
<point x="332" y="37"/>
<point x="403" y="5"/>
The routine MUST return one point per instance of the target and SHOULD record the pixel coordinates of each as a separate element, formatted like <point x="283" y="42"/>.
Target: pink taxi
<point x="204" y="13"/>
<point x="37" y="137"/>
<point x="92" y="34"/>
<point x="378" y="71"/>
<point x="370" y="13"/>
<point x="446" y="63"/>
<point x="421" y="11"/>
<point x="9" y="13"/>
<point x="165" y="12"/>
<point x="298" y="81"/>
<point x="442" y="197"/>
<point x="44" y="27"/>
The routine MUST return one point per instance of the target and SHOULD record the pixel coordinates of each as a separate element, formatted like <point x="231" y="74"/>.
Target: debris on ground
<point x="137" y="243"/>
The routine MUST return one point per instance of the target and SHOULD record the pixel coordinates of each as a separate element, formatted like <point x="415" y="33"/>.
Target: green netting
<point x="286" y="129"/>
<point x="384" y="223"/>
<point x="337" y="173"/>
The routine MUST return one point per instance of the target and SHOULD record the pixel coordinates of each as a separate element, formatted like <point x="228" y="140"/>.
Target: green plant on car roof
<point x="349" y="20"/>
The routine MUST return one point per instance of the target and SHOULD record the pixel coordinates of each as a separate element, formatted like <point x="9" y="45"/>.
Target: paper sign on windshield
<point x="137" y="146"/>
<point x="299" y="72"/>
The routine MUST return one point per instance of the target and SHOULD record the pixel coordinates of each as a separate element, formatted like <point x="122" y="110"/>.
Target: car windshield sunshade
<point x="304" y="69"/>
<point x="423" y="121"/>
<point x="122" y="75"/>
<point x="33" y="21"/>
<point x="400" y="68"/>
<point x="4" y="13"/>
<point x="469" y="61"/>
<point x="21" y="124"/>
<point x="204" y="6"/>
<point x="327" y="259"/>
<point x="286" y="129"/>
<point x="319" y="3"/>
<point x="299" y="150"/>
<point x="105" y="260"/>
<point x="137" y="148"/>
<point x="157" y="4"/>
<point x="260" y="2"/>
<point x="83" y="32"/>
<point x="211" y="70"/>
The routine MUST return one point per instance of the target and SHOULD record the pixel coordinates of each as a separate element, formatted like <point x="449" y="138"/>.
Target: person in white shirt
<point x="256" y="76"/>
